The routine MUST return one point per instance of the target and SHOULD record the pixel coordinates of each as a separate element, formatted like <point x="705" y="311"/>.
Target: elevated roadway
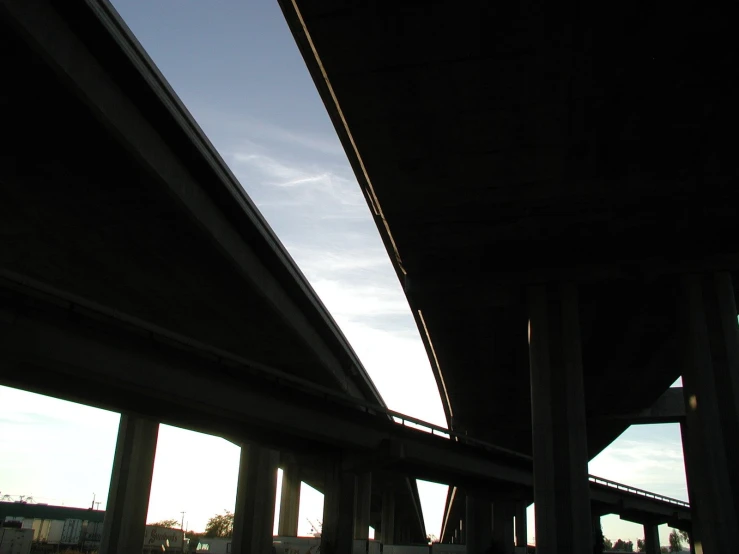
<point x="137" y="275"/>
<point x="106" y="360"/>
<point x="504" y="146"/>
<point x="113" y="201"/>
<point x="554" y="185"/>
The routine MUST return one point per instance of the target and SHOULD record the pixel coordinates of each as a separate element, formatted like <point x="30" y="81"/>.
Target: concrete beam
<point x="130" y="484"/>
<point x="669" y="408"/>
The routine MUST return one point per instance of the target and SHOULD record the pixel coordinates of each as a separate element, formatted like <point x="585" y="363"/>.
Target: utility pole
<point x="182" y="524"/>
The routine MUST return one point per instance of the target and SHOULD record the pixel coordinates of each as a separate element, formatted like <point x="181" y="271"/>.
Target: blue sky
<point x="238" y="70"/>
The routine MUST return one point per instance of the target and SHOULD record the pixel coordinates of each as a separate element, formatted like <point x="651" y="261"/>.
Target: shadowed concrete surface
<point x="114" y="205"/>
<point x="110" y="192"/>
<point x="500" y="146"/>
<point x="514" y="204"/>
<point x="544" y="177"/>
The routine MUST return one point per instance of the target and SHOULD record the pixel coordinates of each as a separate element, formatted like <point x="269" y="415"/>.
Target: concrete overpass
<point x="133" y="260"/>
<point x="125" y="235"/>
<point x="553" y="185"/>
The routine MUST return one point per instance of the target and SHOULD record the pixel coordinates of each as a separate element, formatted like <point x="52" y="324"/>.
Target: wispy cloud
<point x="272" y="181"/>
<point x="237" y="128"/>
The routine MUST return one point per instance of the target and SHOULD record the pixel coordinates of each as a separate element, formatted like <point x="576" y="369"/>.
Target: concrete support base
<point x="387" y="526"/>
<point x="479" y="525"/>
<point x="130" y="485"/>
<point x="651" y="538"/>
<point x="598" y="537"/>
<point x="561" y="488"/>
<point x="709" y="343"/>
<point x="363" y="498"/>
<point x="255" y="500"/>
<point x="503" y="538"/>
<point x="289" y="501"/>
<point x="522" y="532"/>
<point x="338" y="510"/>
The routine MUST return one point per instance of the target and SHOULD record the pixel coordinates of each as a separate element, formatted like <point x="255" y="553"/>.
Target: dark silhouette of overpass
<point x="555" y="186"/>
<point x="132" y="260"/>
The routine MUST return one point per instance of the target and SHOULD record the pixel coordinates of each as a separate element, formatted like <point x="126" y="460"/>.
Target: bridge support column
<point x="691" y="469"/>
<point x="522" y="532"/>
<point x="651" y="538"/>
<point x="709" y="342"/>
<point x="130" y="485"/>
<point x="255" y="500"/>
<point x="598" y="538"/>
<point x="338" y="510"/>
<point x="289" y="501"/>
<point x="363" y="498"/>
<point x="503" y="513"/>
<point x="387" y="526"/>
<point x="478" y="525"/>
<point x="561" y="487"/>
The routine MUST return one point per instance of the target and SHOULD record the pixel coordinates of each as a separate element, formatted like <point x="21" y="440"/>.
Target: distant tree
<point x="676" y="542"/>
<point x="171" y="523"/>
<point x="432" y="539"/>
<point x="685" y="536"/>
<point x="607" y="544"/>
<point x="663" y="550"/>
<point x="220" y="525"/>
<point x="641" y="545"/>
<point x="623" y="546"/>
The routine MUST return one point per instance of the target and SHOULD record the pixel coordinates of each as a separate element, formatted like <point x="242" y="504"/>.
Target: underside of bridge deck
<point x="109" y="191"/>
<point x="500" y="146"/>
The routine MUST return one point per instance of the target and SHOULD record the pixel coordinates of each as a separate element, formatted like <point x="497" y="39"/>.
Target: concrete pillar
<point x="598" y="537"/>
<point x="363" y="499"/>
<point x="651" y="538"/>
<point x="692" y="543"/>
<point x="561" y="488"/>
<point x="522" y="532"/>
<point x="503" y="513"/>
<point x="479" y="525"/>
<point x="689" y="457"/>
<point x="338" y="510"/>
<point x="289" y="501"/>
<point x="254" y="516"/>
<point x="709" y="353"/>
<point x="130" y="485"/>
<point x="387" y="526"/>
<point x="404" y="532"/>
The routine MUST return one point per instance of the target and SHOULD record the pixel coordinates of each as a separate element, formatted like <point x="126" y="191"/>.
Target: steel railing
<point x="638" y="492"/>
